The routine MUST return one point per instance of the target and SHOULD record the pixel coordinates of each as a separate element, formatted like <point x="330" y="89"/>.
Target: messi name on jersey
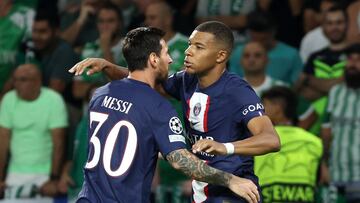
<point x="116" y="104"/>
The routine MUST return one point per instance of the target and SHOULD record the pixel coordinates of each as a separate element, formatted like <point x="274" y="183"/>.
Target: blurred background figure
<point x="284" y="61"/>
<point x="325" y="68"/>
<point x="15" y="26"/>
<point x="294" y="168"/>
<point x="341" y="130"/>
<point x="107" y="46"/>
<point x="32" y="130"/>
<point x="78" y="22"/>
<point x="288" y="17"/>
<point x="315" y="39"/>
<point x="353" y="32"/>
<point x="233" y="13"/>
<point x="254" y="60"/>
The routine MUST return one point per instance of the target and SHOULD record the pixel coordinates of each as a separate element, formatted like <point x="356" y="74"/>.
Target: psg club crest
<point x="197" y="109"/>
<point x="175" y="125"/>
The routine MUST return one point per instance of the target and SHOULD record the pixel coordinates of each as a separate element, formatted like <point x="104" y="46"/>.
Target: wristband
<point x="230" y="149"/>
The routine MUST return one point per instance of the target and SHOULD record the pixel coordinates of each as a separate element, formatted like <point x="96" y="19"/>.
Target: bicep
<point x="259" y="125"/>
<point x="57" y="134"/>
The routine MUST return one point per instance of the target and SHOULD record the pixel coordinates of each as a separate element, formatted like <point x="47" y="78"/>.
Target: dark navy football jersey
<point x="219" y="112"/>
<point x="129" y="124"/>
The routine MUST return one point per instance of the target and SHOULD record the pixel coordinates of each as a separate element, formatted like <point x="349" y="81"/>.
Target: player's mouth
<point x="187" y="64"/>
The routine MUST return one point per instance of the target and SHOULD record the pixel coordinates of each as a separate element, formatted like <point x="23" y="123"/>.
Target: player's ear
<point x="153" y="59"/>
<point x="222" y="56"/>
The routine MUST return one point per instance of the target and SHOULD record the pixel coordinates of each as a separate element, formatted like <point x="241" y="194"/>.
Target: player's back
<point x="126" y="117"/>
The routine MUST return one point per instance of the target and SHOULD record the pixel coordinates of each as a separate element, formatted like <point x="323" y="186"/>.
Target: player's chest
<point x="206" y="112"/>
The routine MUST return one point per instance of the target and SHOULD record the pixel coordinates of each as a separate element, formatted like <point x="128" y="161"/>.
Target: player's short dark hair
<point x="139" y="43"/>
<point x="51" y="17"/>
<point x="286" y="97"/>
<point x="353" y="49"/>
<point x="261" y="21"/>
<point x="222" y="32"/>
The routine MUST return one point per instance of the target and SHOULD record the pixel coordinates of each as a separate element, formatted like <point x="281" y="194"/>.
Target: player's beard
<point x="352" y="79"/>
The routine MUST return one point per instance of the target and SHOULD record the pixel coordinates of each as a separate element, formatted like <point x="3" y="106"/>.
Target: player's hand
<point x="244" y="188"/>
<point x="209" y="146"/>
<point x="85" y="11"/>
<point x="49" y="188"/>
<point x="64" y="183"/>
<point x="2" y="189"/>
<point x="324" y="174"/>
<point x="94" y="64"/>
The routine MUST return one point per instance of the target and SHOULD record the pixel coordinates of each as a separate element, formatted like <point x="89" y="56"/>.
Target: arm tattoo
<point x="189" y="164"/>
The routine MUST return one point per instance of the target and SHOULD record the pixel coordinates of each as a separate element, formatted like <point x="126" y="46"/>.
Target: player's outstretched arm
<point x="189" y="164"/>
<point x="264" y="139"/>
<point x="112" y="71"/>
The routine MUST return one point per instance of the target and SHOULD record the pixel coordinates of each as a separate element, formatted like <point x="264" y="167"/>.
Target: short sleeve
<point x="247" y="103"/>
<point x="309" y="66"/>
<point x="168" y="130"/>
<point x="58" y="116"/>
<point x="6" y="107"/>
<point x="173" y="84"/>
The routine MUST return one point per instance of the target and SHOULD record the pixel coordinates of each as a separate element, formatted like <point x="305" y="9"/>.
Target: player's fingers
<point x="84" y="64"/>
<point x="77" y="67"/>
<point x="211" y="149"/>
<point x="253" y="196"/>
<point x="257" y="194"/>
<point x="248" y="198"/>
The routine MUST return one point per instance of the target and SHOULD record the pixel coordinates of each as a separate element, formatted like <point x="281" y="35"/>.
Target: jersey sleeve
<point x="247" y="103"/>
<point x="58" y="116"/>
<point x="168" y="129"/>
<point x="173" y="84"/>
<point x="6" y="108"/>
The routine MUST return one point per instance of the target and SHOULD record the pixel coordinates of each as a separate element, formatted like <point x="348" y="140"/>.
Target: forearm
<point x="310" y="93"/>
<point x="4" y="148"/>
<point x="256" y="145"/>
<point x="70" y="34"/>
<point x="326" y="138"/>
<point x="58" y="151"/>
<point x="193" y="167"/>
<point x="323" y="85"/>
<point x="115" y="72"/>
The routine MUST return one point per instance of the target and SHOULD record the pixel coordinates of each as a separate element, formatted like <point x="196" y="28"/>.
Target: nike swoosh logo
<point x="194" y="123"/>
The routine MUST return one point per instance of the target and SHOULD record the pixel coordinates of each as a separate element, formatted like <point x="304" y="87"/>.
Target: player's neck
<point x="210" y="77"/>
<point x="142" y="76"/>
<point x="338" y="46"/>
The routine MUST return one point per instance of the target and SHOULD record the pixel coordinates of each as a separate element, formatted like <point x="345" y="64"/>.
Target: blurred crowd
<point x="302" y="57"/>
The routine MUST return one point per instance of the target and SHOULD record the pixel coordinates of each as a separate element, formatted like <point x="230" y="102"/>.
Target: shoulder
<point x="50" y="94"/>
<point x="286" y="48"/>
<point x="235" y="81"/>
<point x="9" y="97"/>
